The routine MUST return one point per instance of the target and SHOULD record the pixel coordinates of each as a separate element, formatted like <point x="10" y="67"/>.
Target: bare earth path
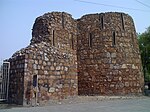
<point x="115" y="105"/>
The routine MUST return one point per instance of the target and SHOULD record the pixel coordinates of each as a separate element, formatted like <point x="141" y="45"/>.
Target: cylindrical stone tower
<point x="109" y="61"/>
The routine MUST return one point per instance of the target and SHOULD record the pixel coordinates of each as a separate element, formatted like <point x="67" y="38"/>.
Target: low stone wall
<point x="56" y="70"/>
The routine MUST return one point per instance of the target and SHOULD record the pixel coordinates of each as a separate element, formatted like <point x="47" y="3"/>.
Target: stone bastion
<point x="97" y="54"/>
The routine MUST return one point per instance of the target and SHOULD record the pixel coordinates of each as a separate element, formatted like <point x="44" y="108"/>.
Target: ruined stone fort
<point x="97" y="54"/>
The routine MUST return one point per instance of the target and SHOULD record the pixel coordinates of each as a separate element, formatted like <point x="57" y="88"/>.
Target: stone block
<point x="126" y="84"/>
<point x="124" y="66"/>
<point x="113" y="55"/>
<point x="52" y="68"/>
<point x="58" y="68"/>
<point x="51" y="90"/>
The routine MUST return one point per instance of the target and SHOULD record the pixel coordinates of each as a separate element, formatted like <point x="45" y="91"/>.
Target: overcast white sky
<point x="17" y="17"/>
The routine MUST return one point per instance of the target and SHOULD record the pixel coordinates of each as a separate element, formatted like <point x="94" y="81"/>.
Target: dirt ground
<point x="89" y="104"/>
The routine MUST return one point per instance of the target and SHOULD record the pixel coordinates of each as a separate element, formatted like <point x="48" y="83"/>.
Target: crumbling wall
<point x="57" y="28"/>
<point x="109" y="61"/>
<point x="51" y="56"/>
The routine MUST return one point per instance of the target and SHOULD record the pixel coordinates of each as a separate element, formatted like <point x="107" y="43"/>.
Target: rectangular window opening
<point x="90" y="40"/>
<point x="122" y="21"/>
<point x="102" y="22"/>
<point x="114" y="39"/>
<point x="35" y="80"/>
<point x="62" y="19"/>
<point x="53" y="38"/>
<point x="72" y="41"/>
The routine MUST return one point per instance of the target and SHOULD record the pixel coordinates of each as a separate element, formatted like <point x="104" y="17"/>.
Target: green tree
<point x="144" y="45"/>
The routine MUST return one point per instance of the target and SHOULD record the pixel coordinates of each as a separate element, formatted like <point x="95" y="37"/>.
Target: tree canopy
<point x="144" y="45"/>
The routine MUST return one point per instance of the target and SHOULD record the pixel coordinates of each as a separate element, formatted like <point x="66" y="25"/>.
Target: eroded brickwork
<point x="97" y="54"/>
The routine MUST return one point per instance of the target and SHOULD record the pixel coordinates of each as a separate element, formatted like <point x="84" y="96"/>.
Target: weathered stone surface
<point x="51" y="55"/>
<point x="105" y="40"/>
<point x="100" y="62"/>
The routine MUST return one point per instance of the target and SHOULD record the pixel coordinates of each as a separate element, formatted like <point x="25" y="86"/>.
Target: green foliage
<point x="144" y="45"/>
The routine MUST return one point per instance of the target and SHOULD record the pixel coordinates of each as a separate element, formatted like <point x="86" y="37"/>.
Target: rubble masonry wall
<point x="97" y="54"/>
